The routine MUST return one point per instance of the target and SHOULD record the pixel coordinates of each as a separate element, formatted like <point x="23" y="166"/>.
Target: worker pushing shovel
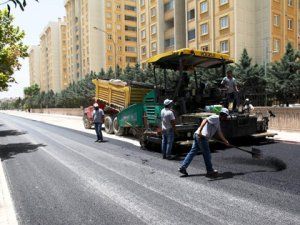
<point x="208" y="128"/>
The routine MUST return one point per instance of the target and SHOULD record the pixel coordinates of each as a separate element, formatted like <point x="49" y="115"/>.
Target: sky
<point x="33" y="20"/>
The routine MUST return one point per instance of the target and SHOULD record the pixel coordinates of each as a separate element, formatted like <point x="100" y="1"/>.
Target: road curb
<point x="7" y="210"/>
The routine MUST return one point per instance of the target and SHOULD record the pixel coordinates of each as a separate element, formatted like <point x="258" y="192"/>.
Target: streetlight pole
<point x="115" y="48"/>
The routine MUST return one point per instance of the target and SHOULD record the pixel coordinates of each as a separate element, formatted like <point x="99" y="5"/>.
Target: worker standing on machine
<point x="231" y="90"/>
<point x="168" y="129"/>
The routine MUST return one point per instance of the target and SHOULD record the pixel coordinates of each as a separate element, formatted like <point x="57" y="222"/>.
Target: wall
<point x="60" y="111"/>
<point x="286" y="118"/>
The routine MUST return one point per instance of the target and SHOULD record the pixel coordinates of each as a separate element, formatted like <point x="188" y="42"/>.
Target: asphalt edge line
<point x="7" y="209"/>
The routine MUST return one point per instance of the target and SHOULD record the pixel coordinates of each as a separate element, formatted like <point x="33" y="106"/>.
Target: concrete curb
<point x="7" y="210"/>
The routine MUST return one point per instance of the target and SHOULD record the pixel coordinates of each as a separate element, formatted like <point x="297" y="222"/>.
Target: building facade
<point x="161" y="27"/>
<point x="34" y="65"/>
<point x="51" y="52"/>
<point x="228" y="26"/>
<point x="100" y="34"/>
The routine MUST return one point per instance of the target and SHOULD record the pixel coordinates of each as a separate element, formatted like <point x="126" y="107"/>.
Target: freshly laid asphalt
<point x="61" y="176"/>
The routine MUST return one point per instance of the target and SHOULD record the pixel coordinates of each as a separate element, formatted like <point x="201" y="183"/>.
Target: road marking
<point x="7" y="210"/>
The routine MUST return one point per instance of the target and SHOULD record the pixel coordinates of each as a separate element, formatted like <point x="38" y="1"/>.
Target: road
<point x="61" y="176"/>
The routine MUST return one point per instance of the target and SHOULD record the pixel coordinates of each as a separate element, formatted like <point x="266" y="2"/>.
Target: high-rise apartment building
<point x="65" y="76"/>
<point x="34" y="64"/>
<point x="228" y="26"/>
<point x="161" y="26"/>
<point x="100" y="34"/>
<point x="52" y="57"/>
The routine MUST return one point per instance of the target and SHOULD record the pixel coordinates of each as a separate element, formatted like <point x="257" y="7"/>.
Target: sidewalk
<point x="75" y="122"/>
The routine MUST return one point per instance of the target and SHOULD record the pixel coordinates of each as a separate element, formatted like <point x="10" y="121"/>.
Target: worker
<point x="168" y="129"/>
<point x="231" y="90"/>
<point x="98" y="118"/>
<point x="207" y="129"/>
<point x="247" y="107"/>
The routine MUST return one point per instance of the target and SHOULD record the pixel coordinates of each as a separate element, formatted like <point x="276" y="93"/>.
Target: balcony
<point x="169" y="33"/>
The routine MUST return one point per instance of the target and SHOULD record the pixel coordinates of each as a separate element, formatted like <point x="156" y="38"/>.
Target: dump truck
<point x="113" y="96"/>
<point x="136" y="107"/>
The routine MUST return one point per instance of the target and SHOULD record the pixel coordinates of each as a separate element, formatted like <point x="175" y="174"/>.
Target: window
<point x="143" y="18"/>
<point x="204" y="48"/>
<point x="153" y="46"/>
<point x="153" y="29"/>
<point x="142" y="2"/>
<point x="109" y="47"/>
<point x="119" y="48"/>
<point x="290" y="3"/>
<point x="108" y="4"/>
<point x="120" y="38"/>
<point x="128" y="38"/>
<point x="203" y="7"/>
<point x="276" y="20"/>
<point x="143" y="50"/>
<point x="118" y="6"/>
<point x="110" y="58"/>
<point x="204" y="29"/>
<point x="153" y="12"/>
<point x="130" y="28"/>
<point x="224" y="22"/>
<point x="118" y="17"/>
<point x="191" y="34"/>
<point x="191" y="14"/>
<point x="109" y="37"/>
<point x="130" y="49"/>
<point x="130" y="8"/>
<point x="169" y="42"/>
<point x="169" y="6"/>
<point x="276" y="45"/>
<point x="108" y="25"/>
<point x="290" y="24"/>
<point x="223" y="2"/>
<point x="108" y="15"/>
<point x="224" y="46"/>
<point x="143" y="34"/>
<point x="118" y="27"/>
<point x="131" y="59"/>
<point x="131" y="18"/>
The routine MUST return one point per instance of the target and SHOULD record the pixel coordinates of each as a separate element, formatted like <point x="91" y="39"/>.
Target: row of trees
<point x="281" y="82"/>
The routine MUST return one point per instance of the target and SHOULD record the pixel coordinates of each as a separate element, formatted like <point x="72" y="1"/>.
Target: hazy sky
<point x="35" y="17"/>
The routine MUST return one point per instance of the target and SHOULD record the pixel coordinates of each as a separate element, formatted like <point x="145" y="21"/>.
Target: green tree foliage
<point x="250" y="77"/>
<point x="284" y="76"/>
<point x="17" y="3"/>
<point x="11" y="49"/>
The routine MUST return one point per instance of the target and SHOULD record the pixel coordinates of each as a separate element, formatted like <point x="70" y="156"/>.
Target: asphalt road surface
<point x="61" y="176"/>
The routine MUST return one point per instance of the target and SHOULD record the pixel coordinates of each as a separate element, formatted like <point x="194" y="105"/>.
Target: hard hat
<point x="96" y="105"/>
<point x="168" y="102"/>
<point x="224" y="111"/>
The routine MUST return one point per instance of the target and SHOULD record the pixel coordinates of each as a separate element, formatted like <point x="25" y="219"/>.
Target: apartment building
<point x="34" y="65"/>
<point x="121" y="29"/>
<point x="161" y="26"/>
<point x="100" y="34"/>
<point x="228" y="26"/>
<point x="51" y="55"/>
<point x="65" y="76"/>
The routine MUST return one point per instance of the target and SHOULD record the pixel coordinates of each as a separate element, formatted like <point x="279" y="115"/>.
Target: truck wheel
<point x="87" y="124"/>
<point x="119" y="131"/>
<point x="108" y="125"/>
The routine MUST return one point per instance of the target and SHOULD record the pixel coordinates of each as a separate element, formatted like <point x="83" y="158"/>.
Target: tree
<point x="11" y="49"/>
<point x="284" y="76"/>
<point x="17" y="3"/>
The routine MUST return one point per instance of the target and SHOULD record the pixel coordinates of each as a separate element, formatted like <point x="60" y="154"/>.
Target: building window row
<point x="169" y="5"/>
<point x="290" y="22"/>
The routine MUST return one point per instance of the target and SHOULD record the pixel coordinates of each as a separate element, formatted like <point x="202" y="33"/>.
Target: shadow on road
<point x="10" y="150"/>
<point x="4" y="133"/>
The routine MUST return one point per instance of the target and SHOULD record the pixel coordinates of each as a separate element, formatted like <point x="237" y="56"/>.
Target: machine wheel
<point x="108" y="125"/>
<point x="87" y="124"/>
<point x="119" y="131"/>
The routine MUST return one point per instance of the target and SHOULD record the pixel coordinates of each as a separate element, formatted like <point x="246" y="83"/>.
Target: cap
<point x="96" y="105"/>
<point x="224" y="111"/>
<point x="168" y="102"/>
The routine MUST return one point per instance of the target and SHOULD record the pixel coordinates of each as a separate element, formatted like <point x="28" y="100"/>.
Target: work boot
<point x="183" y="171"/>
<point x="213" y="173"/>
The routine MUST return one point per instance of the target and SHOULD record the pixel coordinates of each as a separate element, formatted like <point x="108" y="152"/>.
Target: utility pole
<point x="115" y="49"/>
